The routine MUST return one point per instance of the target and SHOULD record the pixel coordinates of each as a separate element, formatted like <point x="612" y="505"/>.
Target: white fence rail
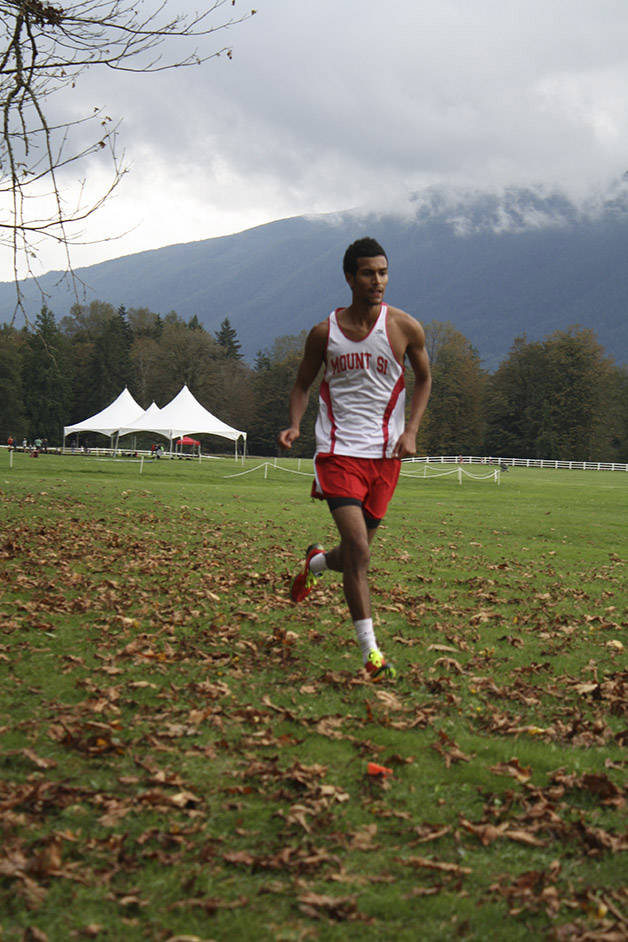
<point x="523" y="462"/>
<point x="494" y="461"/>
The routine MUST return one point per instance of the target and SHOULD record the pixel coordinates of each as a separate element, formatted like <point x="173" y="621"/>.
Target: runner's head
<point x="362" y="248"/>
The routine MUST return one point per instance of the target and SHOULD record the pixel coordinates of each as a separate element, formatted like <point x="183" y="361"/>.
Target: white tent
<point x="122" y="411"/>
<point x="139" y="424"/>
<point x="151" y="414"/>
<point x="184" y="415"/>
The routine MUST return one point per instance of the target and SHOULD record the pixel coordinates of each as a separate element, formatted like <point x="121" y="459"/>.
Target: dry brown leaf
<point x="333" y="907"/>
<point x="428" y="864"/>
<point x="514" y="768"/>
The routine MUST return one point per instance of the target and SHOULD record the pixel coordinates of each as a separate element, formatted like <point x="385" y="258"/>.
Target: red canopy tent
<point x="187" y="445"/>
<point x="186" y="440"/>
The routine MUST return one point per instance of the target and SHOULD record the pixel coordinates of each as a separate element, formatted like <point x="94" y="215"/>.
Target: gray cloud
<point x="329" y="105"/>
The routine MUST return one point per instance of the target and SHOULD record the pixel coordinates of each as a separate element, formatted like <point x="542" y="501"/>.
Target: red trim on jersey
<point x="392" y="402"/>
<point x="326" y="397"/>
<point x="400" y="362"/>
<point x="327" y="341"/>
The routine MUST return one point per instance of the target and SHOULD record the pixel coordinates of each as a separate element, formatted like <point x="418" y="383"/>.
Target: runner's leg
<point x="352" y="558"/>
<point x="334" y="556"/>
<point x="354" y="552"/>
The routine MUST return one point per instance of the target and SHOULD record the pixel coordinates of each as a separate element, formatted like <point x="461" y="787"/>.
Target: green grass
<point x="184" y="753"/>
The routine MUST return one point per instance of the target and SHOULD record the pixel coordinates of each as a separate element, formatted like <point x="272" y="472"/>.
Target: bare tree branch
<point x="47" y="48"/>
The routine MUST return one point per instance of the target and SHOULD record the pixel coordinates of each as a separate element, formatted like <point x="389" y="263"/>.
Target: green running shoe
<point x="377" y="668"/>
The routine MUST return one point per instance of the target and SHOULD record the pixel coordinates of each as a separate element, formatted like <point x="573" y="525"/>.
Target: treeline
<point x="562" y="397"/>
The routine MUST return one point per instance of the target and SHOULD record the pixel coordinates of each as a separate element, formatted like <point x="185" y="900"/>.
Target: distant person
<point x="10" y="443"/>
<point x="361" y="431"/>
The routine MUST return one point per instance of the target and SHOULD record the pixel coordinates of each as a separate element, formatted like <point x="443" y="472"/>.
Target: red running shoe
<point x="306" y="580"/>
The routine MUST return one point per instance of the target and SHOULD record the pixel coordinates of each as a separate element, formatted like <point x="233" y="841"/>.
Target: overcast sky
<point x="332" y="104"/>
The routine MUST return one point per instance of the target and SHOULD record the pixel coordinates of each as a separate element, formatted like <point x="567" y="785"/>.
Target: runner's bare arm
<point x="419" y="361"/>
<point x="309" y="366"/>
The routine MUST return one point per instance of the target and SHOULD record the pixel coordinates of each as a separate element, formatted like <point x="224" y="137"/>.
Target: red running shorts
<point x="369" y="482"/>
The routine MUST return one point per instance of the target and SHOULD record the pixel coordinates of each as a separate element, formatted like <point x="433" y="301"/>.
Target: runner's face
<point x="370" y="280"/>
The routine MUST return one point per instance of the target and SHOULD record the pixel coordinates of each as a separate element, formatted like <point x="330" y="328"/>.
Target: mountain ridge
<point x="497" y="267"/>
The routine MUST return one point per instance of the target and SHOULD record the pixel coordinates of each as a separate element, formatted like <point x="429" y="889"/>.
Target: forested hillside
<point x="493" y="267"/>
<point x="561" y="397"/>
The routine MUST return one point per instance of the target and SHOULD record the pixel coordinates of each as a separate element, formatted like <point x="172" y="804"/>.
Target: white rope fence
<point x="273" y="467"/>
<point x="494" y="474"/>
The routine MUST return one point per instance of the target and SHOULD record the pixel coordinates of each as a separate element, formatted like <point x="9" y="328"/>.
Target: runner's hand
<point x="406" y="446"/>
<point x="287" y="436"/>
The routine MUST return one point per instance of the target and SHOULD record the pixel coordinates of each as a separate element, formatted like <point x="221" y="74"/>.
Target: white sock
<point x="366" y="636"/>
<point x="318" y="564"/>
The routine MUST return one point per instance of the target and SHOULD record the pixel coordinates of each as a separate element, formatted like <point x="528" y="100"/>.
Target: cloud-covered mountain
<point x="496" y="266"/>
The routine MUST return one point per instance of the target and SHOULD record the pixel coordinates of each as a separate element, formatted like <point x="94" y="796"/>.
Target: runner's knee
<point x="356" y="552"/>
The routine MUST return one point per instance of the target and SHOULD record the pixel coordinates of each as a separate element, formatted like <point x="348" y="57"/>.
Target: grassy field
<point x="185" y="754"/>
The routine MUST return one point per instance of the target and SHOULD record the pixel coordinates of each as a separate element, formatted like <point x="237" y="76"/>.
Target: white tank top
<point x="362" y="395"/>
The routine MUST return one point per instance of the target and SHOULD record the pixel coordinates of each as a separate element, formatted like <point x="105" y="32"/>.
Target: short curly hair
<point x="361" y="248"/>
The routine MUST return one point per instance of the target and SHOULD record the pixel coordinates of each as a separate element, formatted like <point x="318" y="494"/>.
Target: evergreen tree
<point x="45" y="380"/>
<point x="262" y="361"/>
<point x="12" y="412"/>
<point x="144" y="323"/>
<point x="110" y="364"/>
<point x="227" y="338"/>
<point x="83" y="330"/>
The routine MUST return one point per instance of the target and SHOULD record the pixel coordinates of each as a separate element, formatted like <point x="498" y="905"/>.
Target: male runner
<point x="361" y="430"/>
